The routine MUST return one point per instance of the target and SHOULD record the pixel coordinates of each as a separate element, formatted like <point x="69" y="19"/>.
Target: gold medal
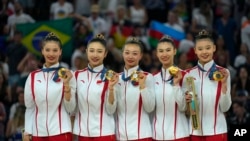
<point x="173" y="70"/>
<point x="62" y="72"/>
<point x="217" y="76"/>
<point x="134" y="76"/>
<point x="109" y="74"/>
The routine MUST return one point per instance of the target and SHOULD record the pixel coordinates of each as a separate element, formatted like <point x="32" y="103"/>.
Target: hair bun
<point x="166" y="38"/>
<point x="51" y="34"/>
<point x="133" y="39"/>
<point x="100" y="36"/>
<point x="203" y="34"/>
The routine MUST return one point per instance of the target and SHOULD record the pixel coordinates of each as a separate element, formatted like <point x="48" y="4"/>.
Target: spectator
<point x="114" y="57"/>
<point x="137" y="13"/>
<point x="241" y="87"/>
<point x="108" y="7"/>
<point x="78" y="52"/>
<point x="186" y="44"/>
<point x="202" y="18"/>
<point x="28" y="64"/>
<point x="82" y="7"/>
<point x="140" y="32"/>
<point x="98" y="24"/>
<point x="13" y="110"/>
<point x="221" y="50"/>
<point x="17" y="124"/>
<point x="241" y="58"/>
<point x="19" y="17"/>
<point x="121" y="27"/>
<point x="155" y="7"/>
<point x="183" y="62"/>
<point x="60" y="9"/>
<point x="83" y="32"/>
<point x="174" y="22"/>
<point x="226" y="27"/>
<point x="15" y="51"/>
<point x="240" y="114"/>
<point x="28" y="5"/>
<point x="5" y="95"/>
<point x="80" y="62"/>
<point x="245" y="30"/>
<point x="6" y="9"/>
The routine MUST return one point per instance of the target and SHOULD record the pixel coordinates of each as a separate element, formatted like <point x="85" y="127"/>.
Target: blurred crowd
<point x="228" y="20"/>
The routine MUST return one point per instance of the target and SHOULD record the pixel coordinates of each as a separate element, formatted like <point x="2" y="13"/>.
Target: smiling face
<point x="204" y="49"/>
<point x="96" y="53"/>
<point x="165" y="53"/>
<point x="51" y="52"/>
<point x="132" y="55"/>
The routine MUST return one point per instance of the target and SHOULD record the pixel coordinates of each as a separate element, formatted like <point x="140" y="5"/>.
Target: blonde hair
<point x="18" y="119"/>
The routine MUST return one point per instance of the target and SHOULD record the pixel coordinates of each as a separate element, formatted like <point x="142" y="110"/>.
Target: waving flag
<point x="33" y="33"/>
<point x="157" y="30"/>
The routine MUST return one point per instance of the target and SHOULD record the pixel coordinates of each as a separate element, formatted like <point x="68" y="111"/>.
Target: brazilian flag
<point x="33" y="34"/>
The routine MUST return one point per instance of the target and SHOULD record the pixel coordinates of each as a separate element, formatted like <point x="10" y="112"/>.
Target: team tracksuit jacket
<point x="47" y="112"/>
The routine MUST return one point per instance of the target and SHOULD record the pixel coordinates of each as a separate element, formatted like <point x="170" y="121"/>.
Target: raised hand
<point x="188" y="97"/>
<point x="225" y="75"/>
<point x="67" y="76"/>
<point x="113" y="80"/>
<point x="141" y="80"/>
<point x="177" y="78"/>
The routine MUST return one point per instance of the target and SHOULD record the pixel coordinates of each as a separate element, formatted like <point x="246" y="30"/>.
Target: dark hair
<point x="99" y="38"/>
<point x="136" y="41"/>
<point x="204" y="34"/>
<point x="52" y="37"/>
<point x="238" y="102"/>
<point x="167" y="39"/>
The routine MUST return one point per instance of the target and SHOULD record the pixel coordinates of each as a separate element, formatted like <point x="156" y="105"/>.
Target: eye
<point x="100" y="51"/>
<point x="168" y="50"/>
<point x="126" y="53"/>
<point x="91" y="50"/>
<point x="55" y="50"/>
<point x="160" y="50"/>
<point x="200" y="49"/>
<point x="135" y="53"/>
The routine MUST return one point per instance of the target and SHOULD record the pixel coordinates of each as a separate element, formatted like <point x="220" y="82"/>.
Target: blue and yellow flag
<point x="33" y="33"/>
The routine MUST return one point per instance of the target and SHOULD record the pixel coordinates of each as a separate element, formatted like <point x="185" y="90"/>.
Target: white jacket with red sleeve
<point x="47" y="112"/>
<point x="170" y="121"/>
<point x="94" y="117"/>
<point x="212" y="102"/>
<point x="133" y="107"/>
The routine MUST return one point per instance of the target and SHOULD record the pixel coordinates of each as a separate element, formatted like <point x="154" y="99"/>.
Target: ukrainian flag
<point x="33" y="33"/>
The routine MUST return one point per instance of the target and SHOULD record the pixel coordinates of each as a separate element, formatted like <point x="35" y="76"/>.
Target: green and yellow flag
<point x="33" y="33"/>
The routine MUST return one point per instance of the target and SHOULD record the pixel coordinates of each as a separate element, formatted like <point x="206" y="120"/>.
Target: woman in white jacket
<point x="133" y="96"/>
<point x="94" y="116"/>
<point x="49" y="97"/>
<point x="212" y="91"/>
<point x="169" y="122"/>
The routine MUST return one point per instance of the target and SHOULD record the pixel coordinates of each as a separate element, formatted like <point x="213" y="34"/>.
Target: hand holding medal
<point x="62" y="72"/>
<point x="176" y="74"/>
<point x="141" y="77"/>
<point x="112" y="77"/>
<point x="217" y="76"/>
<point x="65" y="74"/>
<point x="173" y="71"/>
